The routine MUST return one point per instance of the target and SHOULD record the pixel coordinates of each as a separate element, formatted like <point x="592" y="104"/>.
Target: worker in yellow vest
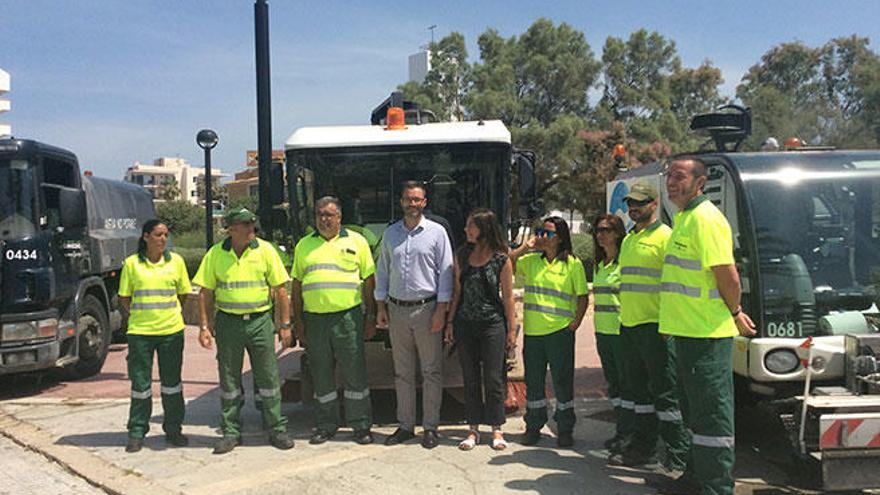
<point x="554" y="303"/>
<point x="607" y="237"/>
<point x="649" y="358"/>
<point x="700" y="308"/>
<point x="332" y="274"/>
<point x="152" y="288"/>
<point x="237" y="278"/>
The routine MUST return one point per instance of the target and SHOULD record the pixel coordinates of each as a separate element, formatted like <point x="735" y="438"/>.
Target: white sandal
<point x="499" y="443"/>
<point x="470" y="441"/>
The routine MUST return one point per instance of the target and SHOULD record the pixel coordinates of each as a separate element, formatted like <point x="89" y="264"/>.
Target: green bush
<point x="582" y="244"/>
<point x="192" y="257"/>
<point x="180" y="216"/>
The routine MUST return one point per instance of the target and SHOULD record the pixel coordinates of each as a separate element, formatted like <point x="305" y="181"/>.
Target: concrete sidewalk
<point x="88" y="437"/>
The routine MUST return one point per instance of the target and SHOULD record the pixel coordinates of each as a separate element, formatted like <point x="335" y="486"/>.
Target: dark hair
<point x="562" y="231"/>
<point x="490" y="233"/>
<point x="700" y="169"/>
<point x="148" y="228"/>
<point x="413" y="184"/>
<point x="326" y="200"/>
<point x="617" y="227"/>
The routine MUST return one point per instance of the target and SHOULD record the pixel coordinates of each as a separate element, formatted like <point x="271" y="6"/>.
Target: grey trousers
<point x="412" y="343"/>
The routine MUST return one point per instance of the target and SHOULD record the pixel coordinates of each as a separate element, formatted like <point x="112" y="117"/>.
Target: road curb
<point x="88" y="466"/>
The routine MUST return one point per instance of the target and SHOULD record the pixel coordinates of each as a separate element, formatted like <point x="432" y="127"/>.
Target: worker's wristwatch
<point x="285" y="326"/>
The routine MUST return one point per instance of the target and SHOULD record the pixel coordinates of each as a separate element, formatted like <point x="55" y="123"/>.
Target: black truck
<point x="63" y="239"/>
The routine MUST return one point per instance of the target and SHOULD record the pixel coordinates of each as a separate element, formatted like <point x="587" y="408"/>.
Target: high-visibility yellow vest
<point x="641" y="264"/>
<point x="606" y="306"/>
<point x="241" y="285"/>
<point x="331" y="271"/>
<point x="551" y="292"/>
<point x="153" y="289"/>
<point x="690" y="304"/>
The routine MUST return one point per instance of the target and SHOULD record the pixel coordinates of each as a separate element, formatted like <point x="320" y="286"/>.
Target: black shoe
<point x="611" y="442"/>
<point x="429" y="439"/>
<point x="134" y="444"/>
<point x="363" y="437"/>
<point x="530" y="437"/>
<point x="176" y="439"/>
<point x="226" y="444"/>
<point x="632" y="458"/>
<point x="668" y="486"/>
<point x="399" y="436"/>
<point x="320" y="436"/>
<point x="564" y="440"/>
<point x="283" y="441"/>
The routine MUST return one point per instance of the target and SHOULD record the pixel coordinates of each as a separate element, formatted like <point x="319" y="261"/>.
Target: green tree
<point x="181" y="216"/>
<point x="169" y="190"/>
<point x="444" y="87"/>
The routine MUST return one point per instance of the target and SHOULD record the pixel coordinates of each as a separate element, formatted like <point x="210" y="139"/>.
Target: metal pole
<point x="209" y="202"/>
<point x="264" y="115"/>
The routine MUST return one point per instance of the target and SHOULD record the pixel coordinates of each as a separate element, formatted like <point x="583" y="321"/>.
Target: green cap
<point x="642" y="191"/>
<point x="239" y="215"/>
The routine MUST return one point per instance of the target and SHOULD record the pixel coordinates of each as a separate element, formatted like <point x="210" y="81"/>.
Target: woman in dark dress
<point x="482" y="323"/>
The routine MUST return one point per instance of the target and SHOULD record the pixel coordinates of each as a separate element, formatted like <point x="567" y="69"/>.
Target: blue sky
<point x="122" y="80"/>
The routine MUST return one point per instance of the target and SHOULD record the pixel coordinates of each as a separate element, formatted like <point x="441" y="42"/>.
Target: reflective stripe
<point x="562" y="406"/>
<point x="649" y="288"/>
<point x="683" y="263"/>
<point x="268" y="392"/>
<point x="324" y="399"/>
<point x="605" y="290"/>
<point x="330" y="285"/>
<point x="155" y="305"/>
<point x="327" y="266"/>
<point x="230" y="395"/>
<point x="355" y="395"/>
<point x="677" y="288"/>
<point x="714" y="294"/>
<point x="154" y="292"/>
<point x="172" y="390"/>
<point x="607" y="308"/>
<point x="242" y="284"/>
<point x="715" y="442"/>
<point x="627" y="404"/>
<point x="640" y="270"/>
<point x="146" y="394"/>
<point x="615" y="401"/>
<point x="548" y="309"/>
<point x="673" y="415"/>
<point x="534" y="289"/>
<point x="241" y="305"/>
<point x="644" y="408"/>
<point x="536" y="404"/>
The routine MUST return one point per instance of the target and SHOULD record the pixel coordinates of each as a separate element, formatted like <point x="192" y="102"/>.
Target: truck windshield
<point x="17" y="199"/>
<point x="817" y="225"/>
<point x="367" y="180"/>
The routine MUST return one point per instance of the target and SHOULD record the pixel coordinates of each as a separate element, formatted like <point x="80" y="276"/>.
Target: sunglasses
<point x="541" y="232"/>
<point x="636" y="203"/>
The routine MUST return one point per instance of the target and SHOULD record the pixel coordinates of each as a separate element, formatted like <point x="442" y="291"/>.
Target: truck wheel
<point x="94" y="339"/>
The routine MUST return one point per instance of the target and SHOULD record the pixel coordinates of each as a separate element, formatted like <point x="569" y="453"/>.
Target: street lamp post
<point x="207" y="139"/>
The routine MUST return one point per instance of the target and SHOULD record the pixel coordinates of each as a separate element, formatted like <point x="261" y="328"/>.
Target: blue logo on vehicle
<point x="618" y="199"/>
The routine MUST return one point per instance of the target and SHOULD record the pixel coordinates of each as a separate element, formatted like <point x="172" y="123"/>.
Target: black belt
<point x="398" y="302"/>
<point x="246" y="316"/>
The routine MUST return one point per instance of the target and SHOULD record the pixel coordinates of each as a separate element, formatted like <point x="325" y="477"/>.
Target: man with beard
<point x="413" y="289"/>
<point x="648" y="358"/>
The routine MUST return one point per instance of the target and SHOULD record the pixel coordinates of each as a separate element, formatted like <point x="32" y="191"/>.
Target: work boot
<point x="613" y="441"/>
<point x="283" y="441"/>
<point x="429" y="439"/>
<point x="399" y="436"/>
<point x="134" y="444"/>
<point x="564" y="439"/>
<point x="530" y="437"/>
<point x="226" y="444"/>
<point x="362" y="437"/>
<point x="320" y="436"/>
<point x="632" y="458"/>
<point x="176" y="439"/>
<point x="683" y="485"/>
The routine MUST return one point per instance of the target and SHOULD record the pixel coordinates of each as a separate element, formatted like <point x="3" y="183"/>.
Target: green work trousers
<point x="557" y="351"/>
<point x="650" y="370"/>
<point x="338" y="339"/>
<point x="705" y="378"/>
<point x="608" y="347"/>
<point x="234" y="335"/>
<point x="169" y="350"/>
